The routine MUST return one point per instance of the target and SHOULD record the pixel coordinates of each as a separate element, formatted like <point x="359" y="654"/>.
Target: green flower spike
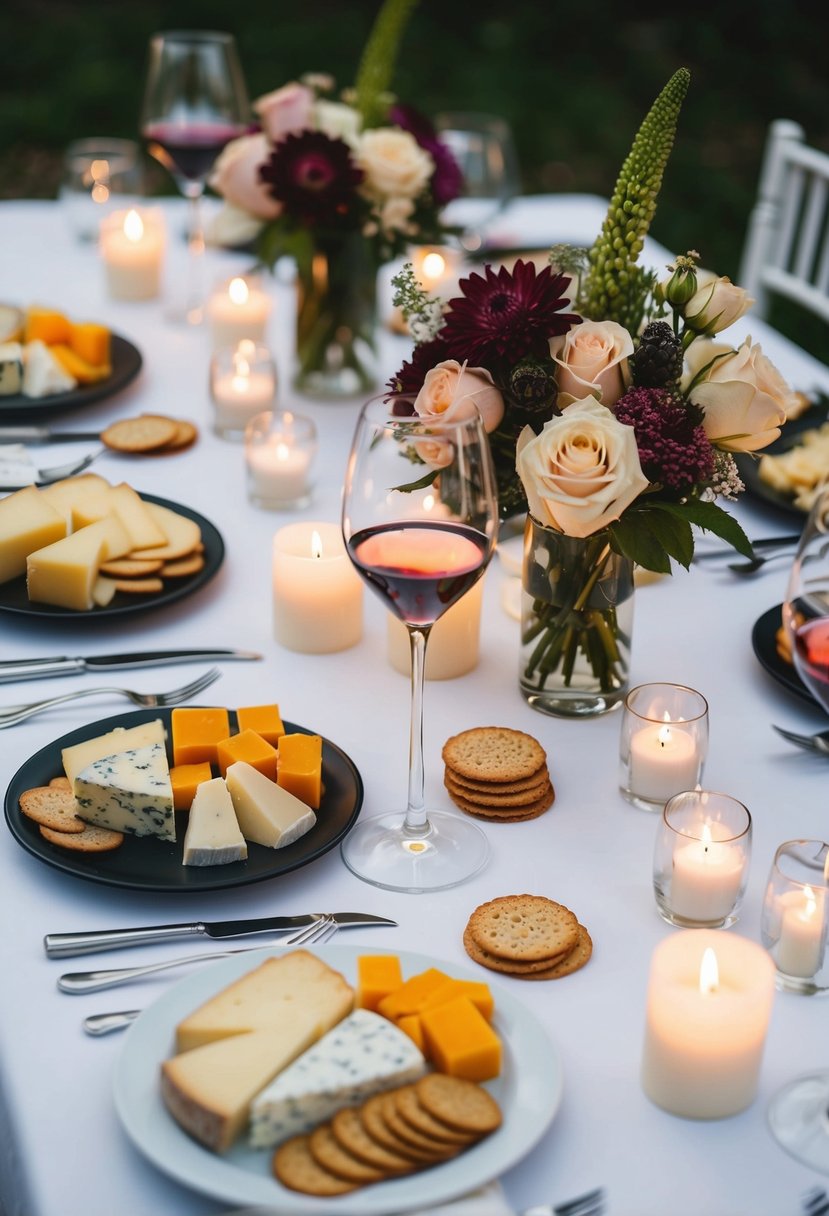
<point x="374" y="75"/>
<point x="616" y="289"/>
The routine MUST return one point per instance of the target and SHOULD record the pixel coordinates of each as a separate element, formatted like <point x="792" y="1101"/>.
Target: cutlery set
<point x="766" y="549"/>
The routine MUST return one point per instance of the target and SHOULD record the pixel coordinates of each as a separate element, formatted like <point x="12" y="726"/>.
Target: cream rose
<point x="337" y="121"/>
<point x="716" y="304"/>
<point x="236" y="176"/>
<point x="592" y="358"/>
<point x="395" y="214"/>
<point x="285" y="111"/>
<point x="451" y="391"/>
<point x="394" y="163"/>
<point x="582" y="471"/>
<point x="745" y="398"/>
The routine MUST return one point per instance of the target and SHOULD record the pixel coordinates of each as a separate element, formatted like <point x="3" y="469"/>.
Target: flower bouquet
<point x="612" y="415"/>
<point x="342" y="184"/>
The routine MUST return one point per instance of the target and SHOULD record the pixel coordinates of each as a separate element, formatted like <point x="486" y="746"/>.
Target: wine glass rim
<point x="379" y="411"/>
<point x="193" y="36"/>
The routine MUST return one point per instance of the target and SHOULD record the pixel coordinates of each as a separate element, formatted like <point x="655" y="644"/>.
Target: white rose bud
<point x="744" y="397"/>
<point x="716" y="304"/>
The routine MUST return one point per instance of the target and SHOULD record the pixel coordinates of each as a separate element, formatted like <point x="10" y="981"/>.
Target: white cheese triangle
<point x="42" y="374"/>
<point x="213" y="837"/>
<point x="267" y="814"/>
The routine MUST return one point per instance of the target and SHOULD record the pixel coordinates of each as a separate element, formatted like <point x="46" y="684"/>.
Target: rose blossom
<point x="745" y="398"/>
<point x="451" y="389"/>
<point x="716" y="304"/>
<point x="236" y="176"/>
<point x="393" y="162"/>
<point x="395" y="214"/>
<point x="285" y="111"/>
<point x="592" y="359"/>
<point x="582" y="471"/>
<point x="337" y="121"/>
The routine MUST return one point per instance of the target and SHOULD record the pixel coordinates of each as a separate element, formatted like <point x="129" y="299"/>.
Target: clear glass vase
<point x="576" y="622"/>
<point x="337" y="319"/>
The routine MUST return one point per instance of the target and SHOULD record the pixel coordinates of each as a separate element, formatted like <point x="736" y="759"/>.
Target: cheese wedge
<point x="267" y="814"/>
<point x="42" y="374"/>
<point x="213" y="837"/>
<point x="128" y="792"/>
<point x="64" y="572"/>
<point x="28" y="522"/>
<point x="11" y="368"/>
<point x="143" y="530"/>
<point x="76" y="757"/>
<point x="64" y="495"/>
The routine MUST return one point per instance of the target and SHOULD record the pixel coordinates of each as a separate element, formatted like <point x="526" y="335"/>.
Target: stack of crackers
<point x="53" y="808"/>
<point x="390" y="1134"/>
<point x="498" y="774"/>
<point x="153" y="434"/>
<point x="528" y="937"/>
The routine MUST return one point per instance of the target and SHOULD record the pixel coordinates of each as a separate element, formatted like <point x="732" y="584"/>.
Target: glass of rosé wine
<point x="806" y="608"/>
<point x="420" y="520"/>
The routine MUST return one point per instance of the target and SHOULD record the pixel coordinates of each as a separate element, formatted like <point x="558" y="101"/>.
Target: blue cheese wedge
<point x="267" y="814"/>
<point x="128" y="792"/>
<point x="11" y="368"/>
<point x="213" y="837"/>
<point x="363" y="1055"/>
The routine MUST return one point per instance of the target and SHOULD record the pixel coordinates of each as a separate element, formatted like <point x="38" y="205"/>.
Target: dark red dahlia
<point x="447" y="179"/>
<point x="673" y="448"/>
<point x="506" y="315"/>
<point x="314" y="178"/>
<point x="408" y="381"/>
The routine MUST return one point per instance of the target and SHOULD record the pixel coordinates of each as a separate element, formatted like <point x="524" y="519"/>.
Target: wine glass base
<point x="381" y="851"/>
<point x="798" y="1116"/>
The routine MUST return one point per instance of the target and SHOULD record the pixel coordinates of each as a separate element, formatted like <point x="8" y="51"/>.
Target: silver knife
<point x="42" y="434"/>
<point x="32" y="669"/>
<point x="66" y="945"/>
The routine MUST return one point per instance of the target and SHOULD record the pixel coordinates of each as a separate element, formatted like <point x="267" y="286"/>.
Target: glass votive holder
<point x="279" y="455"/>
<point x="132" y="244"/>
<point x="664" y="743"/>
<point x="793" y="925"/>
<point x="242" y="385"/>
<point x="99" y="174"/>
<point x="701" y="858"/>
<point x="238" y="308"/>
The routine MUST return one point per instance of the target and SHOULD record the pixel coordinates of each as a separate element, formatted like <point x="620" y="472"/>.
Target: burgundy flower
<point x="408" y="381"/>
<point x="447" y="179"/>
<point x="314" y="178"/>
<point x="673" y="447"/>
<point x="506" y="315"/>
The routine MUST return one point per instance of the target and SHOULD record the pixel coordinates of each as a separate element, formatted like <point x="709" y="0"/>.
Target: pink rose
<point x="451" y="390"/>
<point x="592" y="358"/>
<point x="236" y="176"/>
<point x="285" y="111"/>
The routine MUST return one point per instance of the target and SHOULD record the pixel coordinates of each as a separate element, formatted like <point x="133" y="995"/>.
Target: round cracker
<point x="91" y="840"/>
<point x="463" y="1105"/>
<point x="183" y="534"/>
<point x="506" y="966"/>
<point x="530" y="810"/>
<point x="350" y="1132"/>
<point x="373" y="1117"/>
<point x="53" y="807"/>
<point x="435" y="1150"/>
<point x="61" y="783"/>
<point x="526" y="928"/>
<point x="326" y="1149"/>
<point x="533" y="793"/>
<point x="139" y="586"/>
<point x="142" y="434"/>
<point x="416" y="1116"/>
<point x="500" y="787"/>
<point x="295" y="1167"/>
<point x="574" y="961"/>
<point x="131" y="567"/>
<point x="185" y="436"/>
<point x="493" y="753"/>
<point x="182" y="567"/>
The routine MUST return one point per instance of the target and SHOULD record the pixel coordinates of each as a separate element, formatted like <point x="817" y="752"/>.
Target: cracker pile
<point x="528" y="937"/>
<point x="52" y="807"/>
<point x="498" y="774"/>
<point x="153" y="434"/>
<point x="391" y="1134"/>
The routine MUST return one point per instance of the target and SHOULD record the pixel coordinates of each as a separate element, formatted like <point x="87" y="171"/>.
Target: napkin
<point x="16" y="466"/>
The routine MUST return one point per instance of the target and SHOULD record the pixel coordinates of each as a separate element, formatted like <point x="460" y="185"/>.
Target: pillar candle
<point x="317" y="593"/>
<point x="663" y="761"/>
<point x="709" y="1002"/>
<point x="132" y="247"/>
<point x="454" y="642"/>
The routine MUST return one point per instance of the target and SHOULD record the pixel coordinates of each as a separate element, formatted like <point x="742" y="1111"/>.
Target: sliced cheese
<point x="363" y="1055"/>
<point x="182" y="533"/>
<point x="64" y="572"/>
<point x="28" y="522"/>
<point x="128" y="792"/>
<point x="135" y="515"/>
<point x="42" y="373"/>
<point x="69" y="492"/>
<point x="79" y="755"/>
<point x="117" y="542"/>
<point x="267" y="814"/>
<point x="103" y="591"/>
<point x="213" y="837"/>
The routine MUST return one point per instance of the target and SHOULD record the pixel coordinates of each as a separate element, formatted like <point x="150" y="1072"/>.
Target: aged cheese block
<point x="250" y="747"/>
<point x="300" y="767"/>
<point x="267" y="814"/>
<point x="76" y="757"/>
<point x="459" y="1041"/>
<point x="64" y="572"/>
<point x="213" y="837"/>
<point x="128" y="792"/>
<point x="196" y="731"/>
<point x="28" y="522"/>
<point x="362" y="1055"/>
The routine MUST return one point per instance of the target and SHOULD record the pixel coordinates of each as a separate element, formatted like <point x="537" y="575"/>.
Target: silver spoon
<point x="812" y="743"/>
<point x="753" y="564"/>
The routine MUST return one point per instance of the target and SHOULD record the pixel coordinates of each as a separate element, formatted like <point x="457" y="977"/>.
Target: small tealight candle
<point x="709" y="1003"/>
<point x="794" y="921"/>
<point x="436" y="268"/>
<point x="242" y="385"/>
<point x="801" y="945"/>
<point x="701" y="859"/>
<point x="238" y="309"/>
<point x="279" y="453"/>
<point x="664" y="740"/>
<point x="317" y="593"/>
<point x="132" y="247"/>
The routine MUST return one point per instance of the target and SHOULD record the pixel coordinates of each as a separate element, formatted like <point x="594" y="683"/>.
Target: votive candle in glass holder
<point x="794" y="919"/>
<point x="701" y="859"/>
<point x="279" y="455"/>
<point x="242" y="385"/>
<point x="239" y="308"/>
<point x="664" y="743"/>
<point x="132" y="249"/>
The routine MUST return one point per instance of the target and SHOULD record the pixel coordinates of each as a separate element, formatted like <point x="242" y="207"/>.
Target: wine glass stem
<point x="194" y="300"/>
<point x="416" y="822"/>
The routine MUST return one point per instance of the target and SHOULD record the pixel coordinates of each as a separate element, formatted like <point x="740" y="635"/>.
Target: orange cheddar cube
<point x="300" y="767"/>
<point x="478" y="992"/>
<point x="459" y="1041"/>
<point x="91" y="342"/>
<point x="410" y="1025"/>
<point x="266" y="720"/>
<point x="377" y="976"/>
<point x="185" y="780"/>
<point x="408" y="997"/>
<point x="251" y="748"/>
<point x="47" y="324"/>
<point x="196" y="732"/>
<point x="83" y="371"/>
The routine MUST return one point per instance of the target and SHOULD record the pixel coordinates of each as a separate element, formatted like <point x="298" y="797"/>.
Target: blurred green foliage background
<point x="573" y="80"/>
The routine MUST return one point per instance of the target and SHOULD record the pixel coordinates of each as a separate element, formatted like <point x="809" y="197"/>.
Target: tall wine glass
<point x="484" y="148"/>
<point x="806" y="608"/>
<point x="420" y="514"/>
<point x="195" y="102"/>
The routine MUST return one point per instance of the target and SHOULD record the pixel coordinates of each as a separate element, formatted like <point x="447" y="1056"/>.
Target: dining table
<point x="64" y="1149"/>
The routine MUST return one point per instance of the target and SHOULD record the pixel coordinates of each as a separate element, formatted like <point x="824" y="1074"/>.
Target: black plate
<point x="765" y="648"/>
<point x="148" y="864"/>
<point x="126" y="364"/>
<point x="13" y="597"/>
<point x="749" y="466"/>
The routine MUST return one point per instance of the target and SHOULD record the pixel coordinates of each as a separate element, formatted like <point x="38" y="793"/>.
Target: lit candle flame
<point x="282" y="453"/>
<point x="706" y="837"/>
<point x="316" y="544"/>
<point x="133" y="226"/>
<point x="709" y="974"/>
<point x="434" y="265"/>
<point x="238" y="291"/>
<point x="664" y="736"/>
<point x="810" y="908"/>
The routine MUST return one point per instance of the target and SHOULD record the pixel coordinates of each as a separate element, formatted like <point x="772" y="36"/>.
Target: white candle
<point x="238" y="310"/>
<point x="132" y="246"/>
<point x="663" y="761"/>
<point x="279" y="472"/>
<point x="242" y="385"/>
<point x="317" y="593"/>
<point x="801" y="945"/>
<point x="436" y="269"/>
<point x="706" y="877"/>
<point x="709" y="1002"/>
<point x="454" y="642"/>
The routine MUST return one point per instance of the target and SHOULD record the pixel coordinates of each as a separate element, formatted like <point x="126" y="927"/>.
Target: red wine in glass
<point x="189" y="150"/>
<point x="811" y="656"/>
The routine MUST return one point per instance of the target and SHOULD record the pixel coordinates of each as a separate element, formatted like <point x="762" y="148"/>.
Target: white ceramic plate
<point x="529" y="1092"/>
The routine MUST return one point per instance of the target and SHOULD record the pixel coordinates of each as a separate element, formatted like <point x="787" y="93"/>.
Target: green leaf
<point x="650" y="537"/>
<point x="376" y="70"/>
<point x="712" y="518"/>
<point x="420" y="484"/>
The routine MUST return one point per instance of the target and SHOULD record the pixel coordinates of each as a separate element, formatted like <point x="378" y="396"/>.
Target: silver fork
<point x="813" y="743"/>
<point x="104" y="1023"/>
<point x="590" y="1204"/>
<point x="10" y="715"/>
<point x="58" y="472"/>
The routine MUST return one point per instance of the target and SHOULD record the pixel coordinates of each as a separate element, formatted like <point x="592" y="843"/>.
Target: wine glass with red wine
<point x="806" y="608"/>
<point x="195" y="102"/>
<point x="420" y="518"/>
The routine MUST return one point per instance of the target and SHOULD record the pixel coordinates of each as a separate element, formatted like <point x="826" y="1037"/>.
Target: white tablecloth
<point x="63" y="1150"/>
